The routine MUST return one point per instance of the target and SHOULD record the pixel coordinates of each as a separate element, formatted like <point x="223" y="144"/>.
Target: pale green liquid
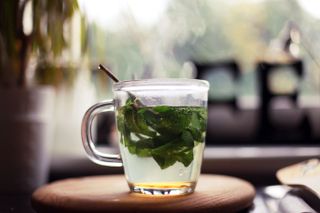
<point x="145" y="170"/>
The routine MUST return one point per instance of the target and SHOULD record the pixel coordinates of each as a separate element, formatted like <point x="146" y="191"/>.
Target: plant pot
<point x="25" y="135"/>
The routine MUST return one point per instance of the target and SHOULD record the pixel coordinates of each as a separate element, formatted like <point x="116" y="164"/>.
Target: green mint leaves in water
<point x="168" y="134"/>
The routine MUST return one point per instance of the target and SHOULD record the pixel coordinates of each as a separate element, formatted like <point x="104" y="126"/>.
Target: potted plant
<point x="26" y="104"/>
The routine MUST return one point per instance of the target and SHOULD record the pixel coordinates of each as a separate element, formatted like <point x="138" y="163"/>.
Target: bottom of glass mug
<point x="163" y="189"/>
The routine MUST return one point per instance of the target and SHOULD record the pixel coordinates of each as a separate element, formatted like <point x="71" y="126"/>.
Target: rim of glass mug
<point x="162" y="83"/>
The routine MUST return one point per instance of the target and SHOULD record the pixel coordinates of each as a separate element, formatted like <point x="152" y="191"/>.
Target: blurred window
<point x="144" y="39"/>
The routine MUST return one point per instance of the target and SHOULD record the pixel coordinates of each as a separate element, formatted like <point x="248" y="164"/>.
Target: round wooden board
<point x="214" y="193"/>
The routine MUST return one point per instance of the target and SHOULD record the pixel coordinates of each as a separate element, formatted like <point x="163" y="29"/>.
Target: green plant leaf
<point x="168" y="134"/>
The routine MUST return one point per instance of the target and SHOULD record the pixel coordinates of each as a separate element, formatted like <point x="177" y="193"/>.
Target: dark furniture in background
<point x="229" y="124"/>
<point x="268" y="132"/>
<point x="231" y="67"/>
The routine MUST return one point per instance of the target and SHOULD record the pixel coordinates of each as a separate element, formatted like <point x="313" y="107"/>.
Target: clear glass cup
<point x="161" y="125"/>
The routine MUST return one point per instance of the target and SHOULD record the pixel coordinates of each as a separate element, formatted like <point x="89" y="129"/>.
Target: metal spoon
<point x="108" y="72"/>
<point x="137" y="102"/>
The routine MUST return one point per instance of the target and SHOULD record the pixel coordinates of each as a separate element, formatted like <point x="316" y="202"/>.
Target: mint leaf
<point x="168" y="134"/>
<point x="161" y="108"/>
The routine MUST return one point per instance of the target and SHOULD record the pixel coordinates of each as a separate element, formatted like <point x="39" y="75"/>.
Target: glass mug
<point x="161" y="126"/>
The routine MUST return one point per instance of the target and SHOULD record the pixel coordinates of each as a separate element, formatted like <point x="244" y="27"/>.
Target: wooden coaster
<point x="214" y="193"/>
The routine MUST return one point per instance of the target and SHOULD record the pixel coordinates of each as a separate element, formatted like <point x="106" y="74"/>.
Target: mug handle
<point x="112" y="160"/>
